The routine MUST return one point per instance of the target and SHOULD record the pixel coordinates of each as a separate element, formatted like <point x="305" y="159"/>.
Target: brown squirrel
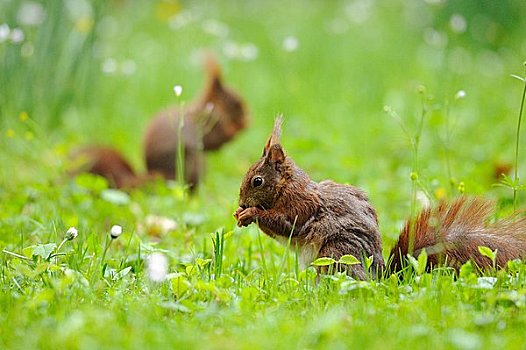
<point x="108" y="163"/>
<point x="327" y="219"/>
<point x="210" y="121"/>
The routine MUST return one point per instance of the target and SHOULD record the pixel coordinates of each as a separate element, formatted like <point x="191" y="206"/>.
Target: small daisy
<point x="109" y="66"/>
<point x="290" y="44"/>
<point x="71" y="233"/>
<point x="31" y="14"/>
<point x="115" y="231"/>
<point x="460" y="95"/>
<point x="178" y="90"/>
<point x="17" y="35"/>
<point x="4" y="32"/>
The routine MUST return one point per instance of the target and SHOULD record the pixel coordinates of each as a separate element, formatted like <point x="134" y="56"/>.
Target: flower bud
<point x="178" y="90"/>
<point x="115" y="231"/>
<point x="71" y="233"/>
<point x="460" y="95"/>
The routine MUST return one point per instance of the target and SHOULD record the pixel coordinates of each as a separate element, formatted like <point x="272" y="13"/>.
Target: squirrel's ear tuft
<point x="211" y="66"/>
<point x="275" y="155"/>
<point x="274" y="138"/>
<point x="267" y="147"/>
<point x="213" y="72"/>
<point x="215" y="87"/>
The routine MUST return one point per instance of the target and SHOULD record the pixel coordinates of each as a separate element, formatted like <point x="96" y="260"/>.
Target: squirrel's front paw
<point x="246" y="216"/>
<point x="237" y="212"/>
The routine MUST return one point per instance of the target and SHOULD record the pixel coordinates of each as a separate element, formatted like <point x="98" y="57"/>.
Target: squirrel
<point x="213" y="119"/>
<point x="110" y="164"/>
<point x="328" y="219"/>
<point x="209" y="122"/>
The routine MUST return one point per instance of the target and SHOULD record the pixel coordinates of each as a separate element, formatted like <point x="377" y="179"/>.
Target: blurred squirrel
<point x="213" y="119"/>
<point x="209" y="122"/>
<point x="327" y="219"/>
<point x="108" y="163"/>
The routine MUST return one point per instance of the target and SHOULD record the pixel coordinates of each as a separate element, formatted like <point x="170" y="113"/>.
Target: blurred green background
<point x="351" y="78"/>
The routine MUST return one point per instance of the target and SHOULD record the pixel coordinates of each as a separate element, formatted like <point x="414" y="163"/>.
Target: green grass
<point x="354" y="59"/>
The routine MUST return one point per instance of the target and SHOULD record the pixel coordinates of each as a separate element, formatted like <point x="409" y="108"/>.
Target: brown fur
<point x="326" y="218"/>
<point x="209" y="122"/>
<point x="329" y="219"/>
<point x="108" y="163"/>
<point x="500" y="169"/>
<point x="452" y="232"/>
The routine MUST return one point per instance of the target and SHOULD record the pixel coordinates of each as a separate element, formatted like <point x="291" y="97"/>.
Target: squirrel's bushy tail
<point x="452" y="232"/>
<point x="108" y="163"/>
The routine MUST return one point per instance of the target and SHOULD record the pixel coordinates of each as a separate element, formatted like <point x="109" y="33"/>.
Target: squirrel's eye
<point x="257" y="181"/>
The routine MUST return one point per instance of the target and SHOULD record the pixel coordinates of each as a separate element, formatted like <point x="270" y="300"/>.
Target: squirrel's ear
<point x="215" y="84"/>
<point x="267" y="147"/>
<point x="213" y="71"/>
<point x="275" y="155"/>
<point x="274" y="138"/>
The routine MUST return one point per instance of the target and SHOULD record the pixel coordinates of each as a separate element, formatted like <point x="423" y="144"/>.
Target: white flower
<point x="290" y="44"/>
<point x="182" y="19"/>
<point x="157" y="267"/>
<point x="457" y="23"/>
<point x="31" y="14"/>
<point x="243" y="52"/>
<point x="78" y="9"/>
<point x="17" y="35"/>
<point x="178" y="90"/>
<point x="71" y="233"/>
<point x="109" y="66"/>
<point x="359" y="11"/>
<point x="216" y="28"/>
<point x="115" y="231"/>
<point x="249" y="52"/>
<point x="231" y="49"/>
<point x="435" y="38"/>
<point x="460" y="95"/>
<point x="4" y="32"/>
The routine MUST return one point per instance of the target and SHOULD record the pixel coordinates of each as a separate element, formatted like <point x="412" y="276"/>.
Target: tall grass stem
<point x="517" y="142"/>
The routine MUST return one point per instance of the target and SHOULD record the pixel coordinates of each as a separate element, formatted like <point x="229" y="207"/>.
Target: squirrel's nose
<point x="243" y="205"/>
